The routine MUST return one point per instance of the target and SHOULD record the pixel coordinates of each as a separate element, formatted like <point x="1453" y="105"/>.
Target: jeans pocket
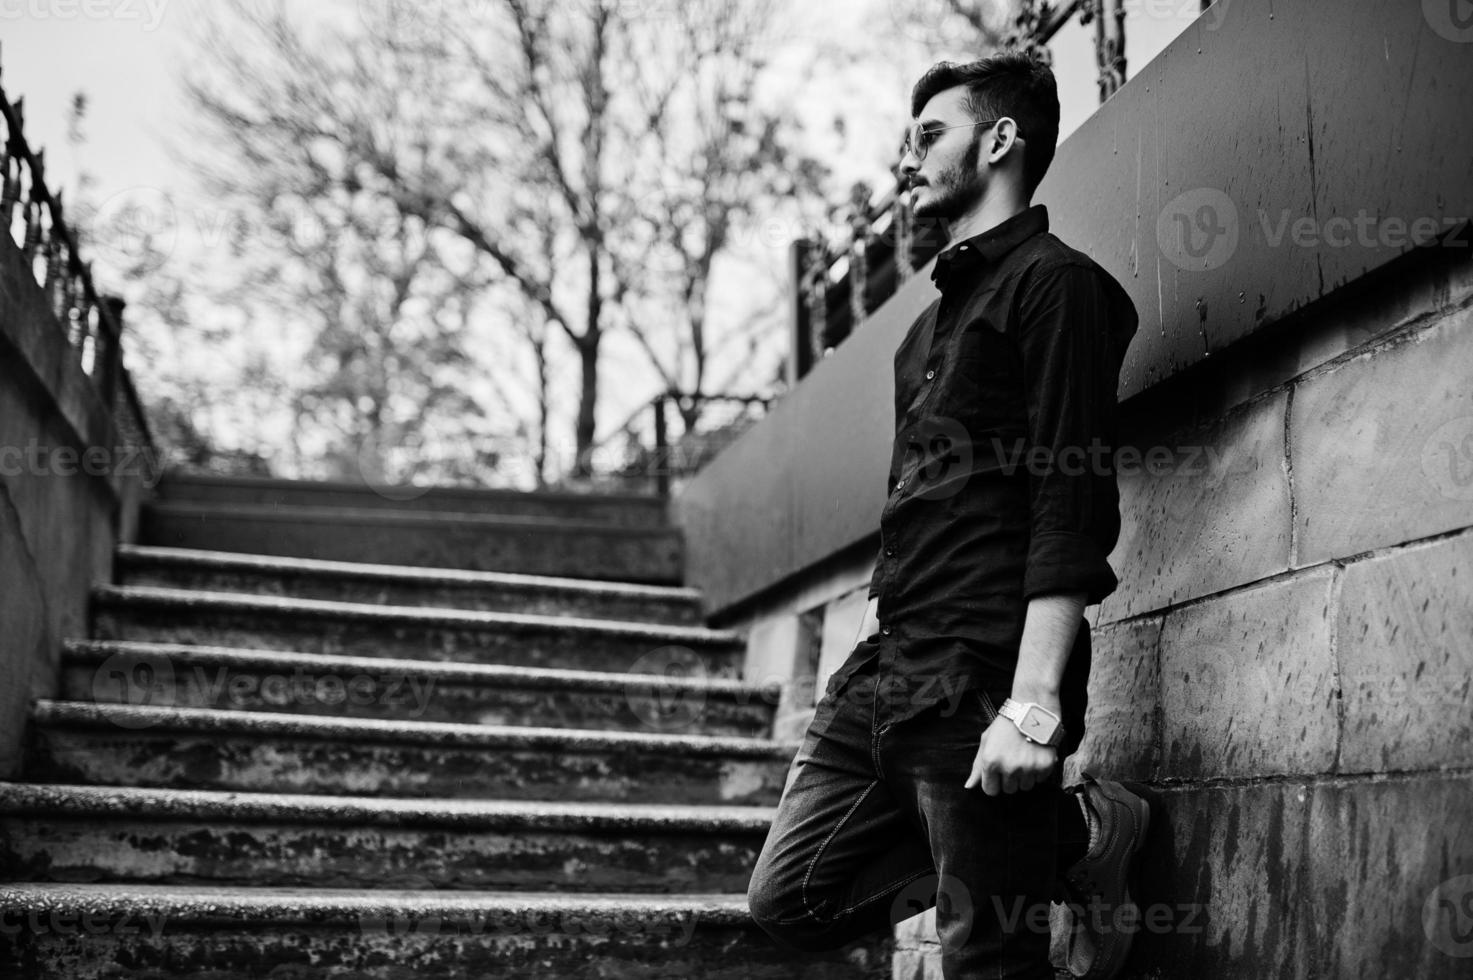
<point x="989" y="709"/>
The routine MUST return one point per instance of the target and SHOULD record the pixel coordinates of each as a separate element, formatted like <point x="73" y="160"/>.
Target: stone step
<point x="160" y="836"/>
<point x="620" y="510"/>
<point x="528" y="545"/>
<point x="268" y="752"/>
<point x="403" y="585"/>
<point x="111" y="932"/>
<point x="180" y="675"/>
<point x="365" y="629"/>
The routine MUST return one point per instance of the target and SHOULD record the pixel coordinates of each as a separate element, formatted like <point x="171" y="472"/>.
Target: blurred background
<point x="474" y="241"/>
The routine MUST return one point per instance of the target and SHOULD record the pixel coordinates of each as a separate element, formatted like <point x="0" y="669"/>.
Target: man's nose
<point x="909" y="166"/>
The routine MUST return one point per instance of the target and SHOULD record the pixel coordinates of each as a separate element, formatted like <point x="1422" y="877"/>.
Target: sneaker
<point x="1101" y="885"/>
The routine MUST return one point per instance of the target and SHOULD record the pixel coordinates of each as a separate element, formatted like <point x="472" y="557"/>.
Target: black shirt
<point x="1001" y="483"/>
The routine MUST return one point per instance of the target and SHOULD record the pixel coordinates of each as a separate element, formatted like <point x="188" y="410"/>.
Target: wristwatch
<point x="1037" y="723"/>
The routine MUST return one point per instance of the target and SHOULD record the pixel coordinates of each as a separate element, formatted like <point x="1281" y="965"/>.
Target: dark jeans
<point x="875" y="826"/>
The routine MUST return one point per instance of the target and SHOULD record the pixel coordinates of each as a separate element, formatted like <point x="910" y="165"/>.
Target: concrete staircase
<point x="318" y="732"/>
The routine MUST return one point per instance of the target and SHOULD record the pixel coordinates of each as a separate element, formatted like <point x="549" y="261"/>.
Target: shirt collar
<point x="990" y="245"/>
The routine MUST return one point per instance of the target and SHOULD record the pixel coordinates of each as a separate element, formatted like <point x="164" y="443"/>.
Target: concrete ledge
<point x="267" y="606"/>
<point x="236" y="906"/>
<point x="624" y="509"/>
<point x="134" y="556"/>
<point x="499" y="675"/>
<point x="262" y="724"/>
<point x="165" y="931"/>
<point x="110" y="802"/>
<point x="529" y="545"/>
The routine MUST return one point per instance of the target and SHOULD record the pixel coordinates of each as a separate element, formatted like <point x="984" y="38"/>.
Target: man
<point x="931" y="772"/>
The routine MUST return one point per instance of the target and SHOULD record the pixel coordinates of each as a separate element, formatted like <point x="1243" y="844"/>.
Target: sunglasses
<point x="918" y="138"/>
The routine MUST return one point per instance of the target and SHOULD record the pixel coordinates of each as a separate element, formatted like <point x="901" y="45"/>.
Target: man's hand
<point x="1007" y="762"/>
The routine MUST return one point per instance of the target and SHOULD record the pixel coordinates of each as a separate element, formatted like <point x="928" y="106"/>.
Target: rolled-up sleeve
<point x="1070" y="378"/>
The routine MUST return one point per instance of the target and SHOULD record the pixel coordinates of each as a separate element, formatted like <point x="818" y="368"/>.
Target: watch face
<point x="1037" y="725"/>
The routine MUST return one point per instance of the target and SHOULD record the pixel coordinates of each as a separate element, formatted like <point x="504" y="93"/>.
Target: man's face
<point x="948" y="181"/>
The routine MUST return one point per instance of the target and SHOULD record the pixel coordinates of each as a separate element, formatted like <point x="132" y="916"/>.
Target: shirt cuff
<point x="1067" y="561"/>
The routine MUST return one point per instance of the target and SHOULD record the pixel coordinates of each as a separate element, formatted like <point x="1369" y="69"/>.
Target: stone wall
<point x="61" y="510"/>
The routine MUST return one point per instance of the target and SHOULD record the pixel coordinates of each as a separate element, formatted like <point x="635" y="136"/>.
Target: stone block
<point x="1248" y="682"/>
<point x="1308" y="879"/>
<point x="1382" y="445"/>
<point x="1202" y="510"/>
<point x="1392" y="878"/>
<point x="1120" y="739"/>
<point x="1404" y="620"/>
<point x="1225" y="885"/>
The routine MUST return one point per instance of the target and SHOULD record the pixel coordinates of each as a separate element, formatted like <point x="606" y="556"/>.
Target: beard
<point x="955" y="189"/>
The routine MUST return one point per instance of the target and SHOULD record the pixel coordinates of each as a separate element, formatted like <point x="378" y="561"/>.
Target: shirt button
<point x="889" y="551"/>
<point x="930" y="375"/>
<point x="885" y="630"/>
<point x="899" y="484"/>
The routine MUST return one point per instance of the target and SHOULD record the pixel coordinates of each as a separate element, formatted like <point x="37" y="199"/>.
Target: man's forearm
<point x="1049" y="626"/>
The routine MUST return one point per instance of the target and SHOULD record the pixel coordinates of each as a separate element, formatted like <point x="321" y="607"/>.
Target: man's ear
<point x="1005" y="138"/>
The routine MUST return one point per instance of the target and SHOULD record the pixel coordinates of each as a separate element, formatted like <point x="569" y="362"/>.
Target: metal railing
<point x="668" y="439"/>
<point x="837" y="284"/>
<point x="93" y="322"/>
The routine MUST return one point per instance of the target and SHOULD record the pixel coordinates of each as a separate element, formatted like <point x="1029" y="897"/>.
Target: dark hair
<point x="1009" y="83"/>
